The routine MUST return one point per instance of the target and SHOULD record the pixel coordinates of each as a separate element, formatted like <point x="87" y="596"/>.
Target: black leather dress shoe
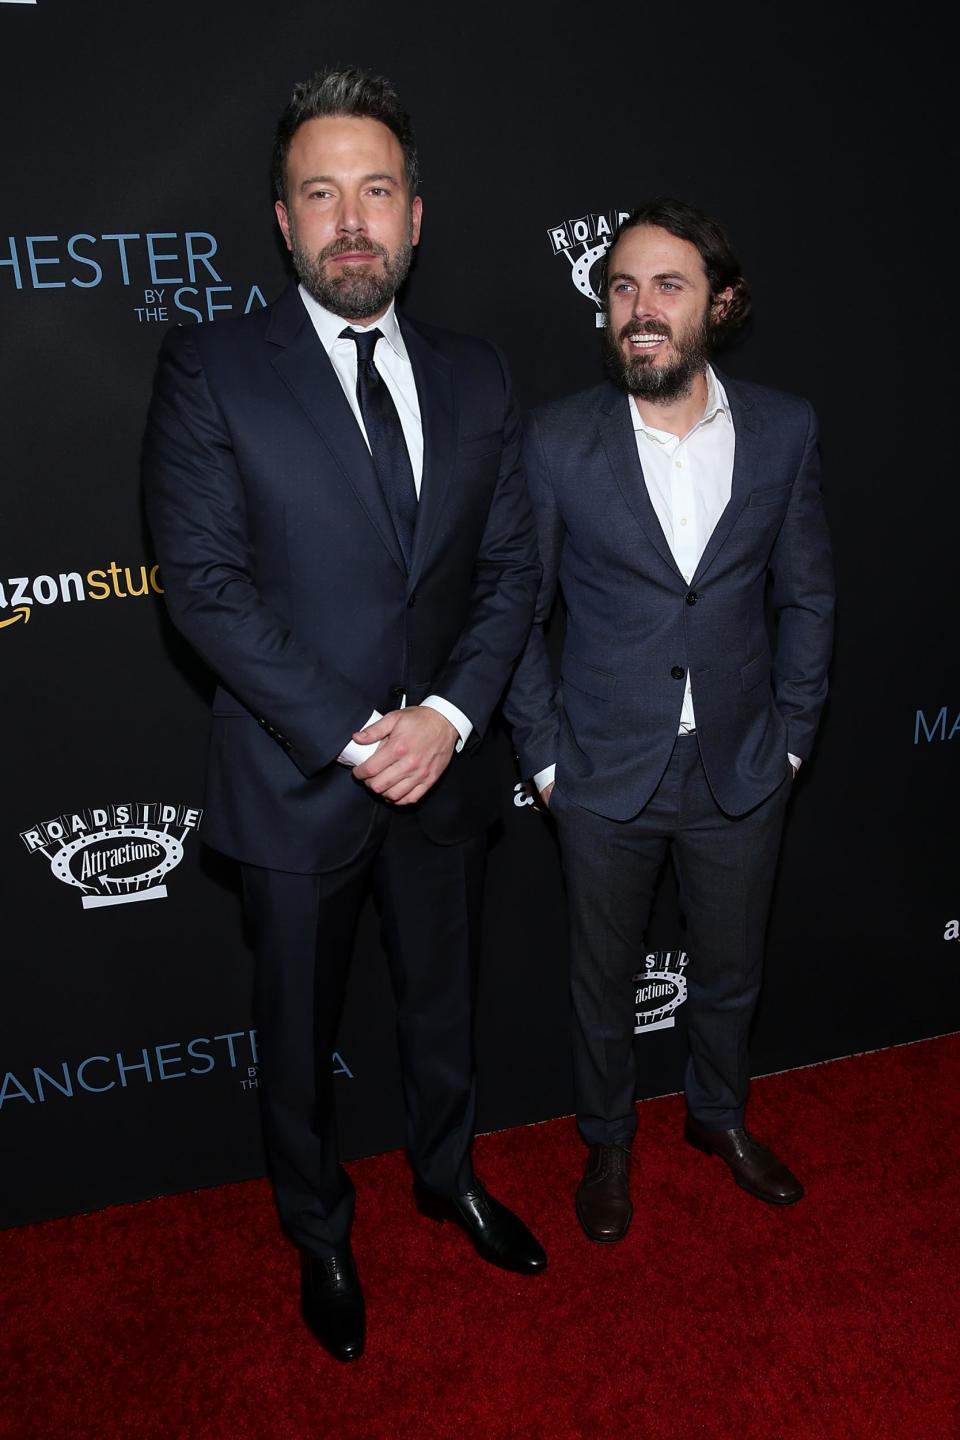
<point x="603" y="1196"/>
<point x="495" y="1232"/>
<point x="331" y="1303"/>
<point x="755" y="1168"/>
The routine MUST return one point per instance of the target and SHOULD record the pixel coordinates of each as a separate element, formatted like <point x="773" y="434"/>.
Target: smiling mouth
<point x="646" y="342"/>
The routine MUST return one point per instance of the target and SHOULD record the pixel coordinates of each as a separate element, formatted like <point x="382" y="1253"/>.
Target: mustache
<point x="346" y="246"/>
<point x="645" y="327"/>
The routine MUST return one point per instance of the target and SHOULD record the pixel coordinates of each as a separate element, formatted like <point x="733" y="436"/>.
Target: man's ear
<point x="416" y="219"/>
<point x="283" y="220"/>
<point x="721" y="304"/>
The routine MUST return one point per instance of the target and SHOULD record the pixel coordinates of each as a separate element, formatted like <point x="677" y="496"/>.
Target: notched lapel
<point x="436" y="395"/>
<point x="302" y="364"/>
<point x="620" y="445"/>
<point x="747" y="428"/>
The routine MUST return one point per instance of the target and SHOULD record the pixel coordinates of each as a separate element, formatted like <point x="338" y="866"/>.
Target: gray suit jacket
<point x="634" y="625"/>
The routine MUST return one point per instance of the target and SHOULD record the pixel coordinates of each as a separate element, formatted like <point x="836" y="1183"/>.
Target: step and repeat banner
<point x="135" y="197"/>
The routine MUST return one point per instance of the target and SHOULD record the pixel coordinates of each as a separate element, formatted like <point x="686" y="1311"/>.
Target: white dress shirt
<point x="689" y="479"/>
<point x="393" y="366"/>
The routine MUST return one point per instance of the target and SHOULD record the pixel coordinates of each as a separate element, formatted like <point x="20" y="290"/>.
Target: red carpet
<point x="717" y="1317"/>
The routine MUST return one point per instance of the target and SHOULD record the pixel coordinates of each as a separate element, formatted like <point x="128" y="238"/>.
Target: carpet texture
<point x="718" y="1316"/>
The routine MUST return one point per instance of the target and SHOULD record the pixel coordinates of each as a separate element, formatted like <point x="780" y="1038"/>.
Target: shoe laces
<point x="614" y="1161"/>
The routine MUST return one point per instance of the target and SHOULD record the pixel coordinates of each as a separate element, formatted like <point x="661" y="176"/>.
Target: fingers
<point x="387" y="755"/>
<point x="545" y="794"/>
<point x="412" y="756"/>
<point x="392" y="771"/>
<point x="379" y="730"/>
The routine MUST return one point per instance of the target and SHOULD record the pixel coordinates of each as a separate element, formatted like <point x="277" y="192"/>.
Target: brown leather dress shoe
<point x="603" y="1195"/>
<point x="755" y="1168"/>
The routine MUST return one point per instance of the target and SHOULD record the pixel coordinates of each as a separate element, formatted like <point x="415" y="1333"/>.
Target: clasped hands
<point x="415" y="747"/>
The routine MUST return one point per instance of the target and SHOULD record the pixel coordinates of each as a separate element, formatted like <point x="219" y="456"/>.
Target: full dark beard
<point x="353" y="294"/>
<point x="639" y="375"/>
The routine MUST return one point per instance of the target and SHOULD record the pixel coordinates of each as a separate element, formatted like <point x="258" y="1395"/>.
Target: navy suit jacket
<point x="282" y="568"/>
<point x="635" y="626"/>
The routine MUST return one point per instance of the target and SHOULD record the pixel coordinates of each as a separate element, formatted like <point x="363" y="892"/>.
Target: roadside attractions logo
<point x="583" y="244"/>
<point x="114" y="854"/>
<point x="19" y="593"/>
<point x="661" y="989"/>
<point x="172" y="275"/>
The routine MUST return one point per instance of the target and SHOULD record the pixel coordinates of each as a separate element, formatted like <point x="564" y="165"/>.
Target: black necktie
<point x="385" y="433"/>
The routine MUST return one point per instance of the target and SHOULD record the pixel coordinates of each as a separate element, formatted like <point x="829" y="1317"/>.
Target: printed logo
<point x="172" y="274"/>
<point x="660" y="990"/>
<point x="583" y="243"/>
<point x="951" y="931"/>
<point x="20" y="593"/>
<point x="939" y="728"/>
<point x="115" y="854"/>
<point x="522" y="795"/>
<point x="235" y="1050"/>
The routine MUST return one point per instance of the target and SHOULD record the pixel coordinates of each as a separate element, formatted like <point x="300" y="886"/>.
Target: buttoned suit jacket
<point x="282" y="568"/>
<point x="635" y="626"/>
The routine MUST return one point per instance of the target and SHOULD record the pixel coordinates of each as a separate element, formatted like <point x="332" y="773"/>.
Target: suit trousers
<point x="428" y="897"/>
<point x="725" y="869"/>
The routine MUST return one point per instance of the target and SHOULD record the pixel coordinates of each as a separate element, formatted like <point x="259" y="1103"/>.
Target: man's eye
<point x="379" y="190"/>
<point x="621" y="286"/>
<point x="668" y="285"/>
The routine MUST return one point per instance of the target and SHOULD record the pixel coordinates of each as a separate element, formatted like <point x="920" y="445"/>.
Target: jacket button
<point x="692" y="597"/>
<point x="396" y="691"/>
<point x="678" y="672"/>
<point x="412" y="601"/>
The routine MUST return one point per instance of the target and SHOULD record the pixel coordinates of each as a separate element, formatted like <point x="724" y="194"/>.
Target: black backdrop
<point x="126" y="1059"/>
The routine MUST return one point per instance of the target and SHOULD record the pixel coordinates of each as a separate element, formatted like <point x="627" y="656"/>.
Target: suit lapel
<point x="747" y="428"/>
<point x="436" y="395"/>
<point x="620" y="445"/>
<point x="302" y="363"/>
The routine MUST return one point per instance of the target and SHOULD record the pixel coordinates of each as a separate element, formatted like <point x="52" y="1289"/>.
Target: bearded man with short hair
<point x="668" y="501"/>
<point x="338" y="507"/>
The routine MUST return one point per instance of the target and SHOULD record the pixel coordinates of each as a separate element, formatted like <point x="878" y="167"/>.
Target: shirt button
<point x="683" y="520"/>
<point x="679" y="464"/>
<point x="678" y="672"/>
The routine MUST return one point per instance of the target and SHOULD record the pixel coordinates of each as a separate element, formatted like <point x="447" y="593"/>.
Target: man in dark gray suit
<point x="667" y="502"/>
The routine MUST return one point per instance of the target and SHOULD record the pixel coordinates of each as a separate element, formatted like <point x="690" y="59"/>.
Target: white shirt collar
<point x="328" y="326"/>
<point x="717" y="404"/>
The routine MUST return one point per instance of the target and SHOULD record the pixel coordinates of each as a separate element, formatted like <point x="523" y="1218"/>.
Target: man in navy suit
<point x="339" y="511"/>
<point x="670" y="503"/>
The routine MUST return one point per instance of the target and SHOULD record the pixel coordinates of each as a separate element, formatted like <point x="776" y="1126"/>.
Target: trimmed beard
<point x="639" y="375"/>
<point x="352" y="294"/>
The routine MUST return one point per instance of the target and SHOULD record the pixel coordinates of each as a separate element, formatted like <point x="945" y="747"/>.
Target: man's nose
<point x="350" y="220"/>
<point x="645" y="305"/>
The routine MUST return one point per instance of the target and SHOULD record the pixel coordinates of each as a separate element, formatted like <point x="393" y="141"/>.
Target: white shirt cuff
<point x="795" y="761"/>
<point x="353" y="753"/>
<point x="458" y="720"/>
<point x="546" y="777"/>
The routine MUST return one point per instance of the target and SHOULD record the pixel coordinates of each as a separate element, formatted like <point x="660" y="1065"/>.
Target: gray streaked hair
<point x="348" y="91"/>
